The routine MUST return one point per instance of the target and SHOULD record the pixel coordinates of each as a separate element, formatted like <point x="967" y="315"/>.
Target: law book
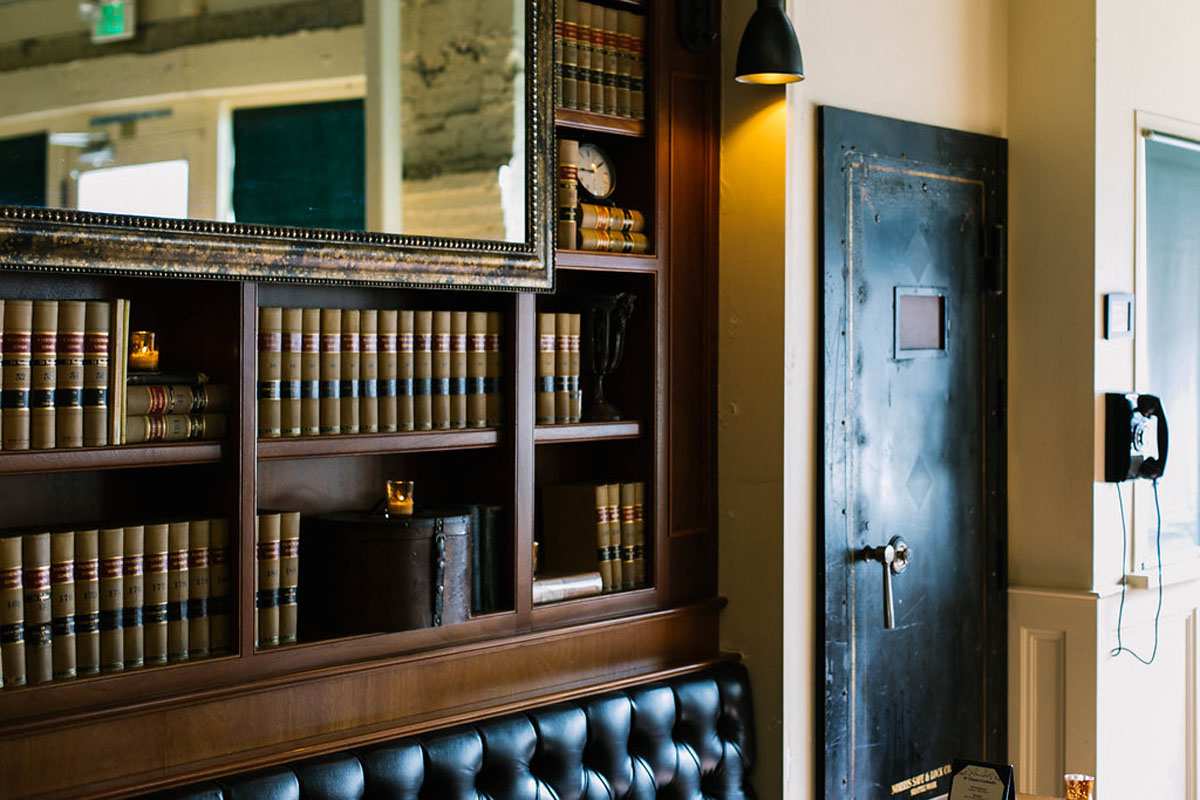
<point x="68" y="394"/>
<point x="266" y="596"/>
<point x="575" y="530"/>
<point x="546" y="368"/>
<point x="199" y="588"/>
<point x="35" y="578"/>
<point x="639" y="534"/>
<point x="637" y="66"/>
<point x="613" y="242"/>
<point x="440" y="389"/>
<point x="351" y="362"/>
<point x="368" y="366"/>
<point x="289" y="575"/>
<point x="220" y="605"/>
<point x="270" y="370"/>
<point x="118" y="358"/>
<point x="177" y="591"/>
<point x="177" y="377"/>
<point x="291" y="372"/>
<point x="626" y="516"/>
<point x="556" y="588"/>
<point x="310" y="372"/>
<point x="458" y="369"/>
<point x="12" y="613"/>
<point x="567" y="192"/>
<point x="559" y="9"/>
<point x="569" y="96"/>
<point x="389" y="410"/>
<point x="562" y="367"/>
<point x="87" y="602"/>
<point x="133" y="580"/>
<point x="160" y="400"/>
<point x="583" y="55"/>
<point x="610" y="218"/>
<point x="406" y="370"/>
<point x="14" y="392"/>
<point x="331" y="371"/>
<point x="574" y="393"/>
<point x="495" y="369"/>
<point x="422" y="370"/>
<point x="112" y="599"/>
<point x="624" y="62"/>
<point x="154" y="607"/>
<point x="596" y="77"/>
<point x="96" y="332"/>
<point x="612" y="54"/>
<point x="174" y="427"/>
<point x="62" y="604"/>
<point x="43" y="375"/>
<point x="477" y="369"/>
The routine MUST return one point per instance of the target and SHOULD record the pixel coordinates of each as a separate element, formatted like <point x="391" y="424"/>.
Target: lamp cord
<point x="1116" y="651"/>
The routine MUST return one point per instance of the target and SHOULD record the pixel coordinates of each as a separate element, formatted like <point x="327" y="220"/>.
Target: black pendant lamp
<point x="769" y="52"/>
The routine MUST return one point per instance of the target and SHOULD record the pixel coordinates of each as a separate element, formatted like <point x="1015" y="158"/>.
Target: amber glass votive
<point x="1079" y="787"/>
<point x="143" y="353"/>
<point x="399" y="498"/>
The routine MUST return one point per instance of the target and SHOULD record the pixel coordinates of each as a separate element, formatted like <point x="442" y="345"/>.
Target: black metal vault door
<point x="913" y="323"/>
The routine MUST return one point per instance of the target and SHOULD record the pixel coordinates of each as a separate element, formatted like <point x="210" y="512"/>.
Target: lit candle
<point x="399" y="498"/>
<point x="142" y="352"/>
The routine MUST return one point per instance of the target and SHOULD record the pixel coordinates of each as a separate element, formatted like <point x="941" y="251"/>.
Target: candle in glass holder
<point x="143" y="354"/>
<point x="399" y="498"/>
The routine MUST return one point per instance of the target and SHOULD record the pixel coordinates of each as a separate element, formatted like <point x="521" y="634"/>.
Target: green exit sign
<point x="114" y="21"/>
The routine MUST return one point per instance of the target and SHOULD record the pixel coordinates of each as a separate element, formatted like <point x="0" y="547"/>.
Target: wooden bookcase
<point x="138" y="731"/>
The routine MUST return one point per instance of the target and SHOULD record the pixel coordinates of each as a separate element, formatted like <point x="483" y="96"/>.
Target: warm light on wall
<point x="769" y="52"/>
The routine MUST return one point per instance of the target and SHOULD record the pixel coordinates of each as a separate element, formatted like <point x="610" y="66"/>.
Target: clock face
<point x="596" y="175"/>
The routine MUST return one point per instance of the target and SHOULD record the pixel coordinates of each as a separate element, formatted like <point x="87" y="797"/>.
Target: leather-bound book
<point x="625" y="513"/>
<point x="440" y="390"/>
<point x="562" y="368"/>
<point x="624" y="62"/>
<point x="422" y="370"/>
<point x="112" y="599"/>
<point x="559" y="8"/>
<point x="35" y="578"/>
<point x="613" y="512"/>
<point x="154" y="606"/>
<point x="569" y="96"/>
<point x="270" y="370"/>
<point x="289" y="574"/>
<point x="133" y="580"/>
<point x="62" y="604"/>
<point x="68" y="394"/>
<point x="174" y="428"/>
<point x="597" y="72"/>
<point x="220" y="604"/>
<point x="612" y="54"/>
<point x="639" y="534"/>
<point x="118" y="374"/>
<point x="613" y="241"/>
<point x="554" y="589"/>
<point x="406" y="370"/>
<point x="583" y="55"/>
<point x="177" y="591"/>
<point x="97" y="322"/>
<point x="567" y="192"/>
<point x="310" y="372"/>
<point x="477" y="369"/>
<point x="291" y="372"/>
<point x="611" y="218"/>
<point x="637" y="66"/>
<point x="495" y="369"/>
<point x="574" y="393"/>
<point x="18" y="352"/>
<point x="546" y="369"/>
<point x="87" y="602"/>
<point x="458" y="369"/>
<point x="199" y="588"/>
<point x="43" y="375"/>
<point x="12" y="613"/>
<point x="389" y="412"/>
<point x="331" y="371"/>
<point x="368" y="371"/>
<point x="266" y="595"/>
<point x="176" y="398"/>
<point x="351" y="361"/>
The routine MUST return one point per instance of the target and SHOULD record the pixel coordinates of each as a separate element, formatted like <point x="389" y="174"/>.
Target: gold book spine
<point x="624" y="62"/>
<point x="134" y="583"/>
<point x="87" y="602"/>
<point x="270" y="368"/>
<point x="331" y="371"/>
<point x="266" y="596"/>
<point x="96" y="333"/>
<point x="610" y="218"/>
<point x="477" y="369"/>
<point x="583" y="55"/>
<point x="174" y="428"/>
<point x="614" y="533"/>
<point x="495" y="369"/>
<point x="612" y="54"/>
<point x="598" y="58"/>
<point x="68" y="395"/>
<point x="112" y="599"/>
<point x="14" y="393"/>
<point x="458" y="369"/>
<point x="351" y="362"/>
<point x="389" y="419"/>
<point x="626" y="514"/>
<point x="639" y="534"/>
<point x="199" y="588"/>
<point x="154" y="613"/>
<point x="291" y="372"/>
<point x="558" y="50"/>
<point x="177" y="592"/>
<point x="569" y="97"/>
<point x="613" y="242"/>
<point x="562" y="368"/>
<point x="12" y="613"/>
<point x="289" y="575"/>
<point x="220" y="604"/>
<point x="368" y="366"/>
<point x="62" y="604"/>
<point x="441" y="370"/>
<point x="179" y="398"/>
<point x="422" y="370"/>
<point x="575" y="394"/>
<point x="406" y="371"/>
<point x="545" y="369"/>
<point x="43" y="375"/>
<point x="35" y="577"/>
<point x="310" y="373"/>
<point x="604" y="559"/>
<point x="567" y="192"/>
<point x="637" y="68"/>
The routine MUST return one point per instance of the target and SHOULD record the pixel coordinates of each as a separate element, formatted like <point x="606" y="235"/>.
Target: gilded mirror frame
<point x="67" y="240"/>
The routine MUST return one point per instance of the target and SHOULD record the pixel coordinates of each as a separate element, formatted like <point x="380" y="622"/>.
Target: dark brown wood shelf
<point x="587" y="431"/>
<point x="131" y="456"/>
<point x="361" y="444"/>
<point x="616" y="262"/>
<point x="598" y="123"/>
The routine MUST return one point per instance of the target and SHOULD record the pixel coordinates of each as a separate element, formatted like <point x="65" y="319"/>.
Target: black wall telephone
<point x="1135" y="437"/>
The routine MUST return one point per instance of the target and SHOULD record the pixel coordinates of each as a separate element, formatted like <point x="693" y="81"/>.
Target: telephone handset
<point x="1135" y="437"/>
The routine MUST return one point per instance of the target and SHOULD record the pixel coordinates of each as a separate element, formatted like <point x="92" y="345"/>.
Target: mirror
<point x="375" y="140"/>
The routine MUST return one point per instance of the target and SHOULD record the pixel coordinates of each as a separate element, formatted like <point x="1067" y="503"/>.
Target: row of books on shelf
<point x="591" y="226"/>
<point x="559" y="399"/>
<point x="276" y="591"/>
<point x="329" y="371"/>
<point x="112" y="598"/>
<point x="599" y="59"/>
<point x="593" y="540"/>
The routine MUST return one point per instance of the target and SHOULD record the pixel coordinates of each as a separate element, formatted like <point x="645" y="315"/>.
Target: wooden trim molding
<point x="1043" y="697"/>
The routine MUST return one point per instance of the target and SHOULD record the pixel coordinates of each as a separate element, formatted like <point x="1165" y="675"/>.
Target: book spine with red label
<point x="637" y="66"/>
<point x="422" y="370"/>
<point x="458" y="369"/>
<point x="604" y="556"/>
<point x="176" y="398"/>
<point x="97" y="328"/>
<point x="177" y="592"/>
<point x="35" y="577"/>
<point x="624" y="62"/>
<point x="477" y="369"/>
<point x="331" y="371"/>
<point x="639" y="534"/>
<point x="368" y="366"/>
<point x="389" y="409"/>
<point x="568" y="16"/>
<point x="495" y="369"/>
<point x="612" y="54"/>
<point x="87" y="602"/>
<point x="43" y="375"/>
<point x="14" y="391"/>
<point x="310" y="372"/>
<point x="406" y="383"/>
<point x="562" y="368"/>
<point x="574" y="393"/>
<point x="351" y="363"/>
<point x="68" y="394"/>
<point x="546" y="368"/>
<point x="270" y="356"/>
<point x="220" y="603"/>
<point x="199" y="588"/>
<point x="267" y="591"/>
<point x="583" y="55"/>
<point x="174" y="428"/>
<point x="62" y="604"/>
<point x="289" y="575"/>
<point x="291" y="371"/>
<point x="12" y="613"/>
<point x="133" y="581"/>
<point x="112" y="599"/>
<point x="440" y="390"/>
<point x="154" y="605"/>
<point x="567" y="192"/>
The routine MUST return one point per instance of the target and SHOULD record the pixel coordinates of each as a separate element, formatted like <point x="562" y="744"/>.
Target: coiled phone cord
<point x="1116" y="651"/>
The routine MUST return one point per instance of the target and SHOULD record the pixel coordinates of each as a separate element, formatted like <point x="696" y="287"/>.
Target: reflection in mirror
<point x="399" y="116"/>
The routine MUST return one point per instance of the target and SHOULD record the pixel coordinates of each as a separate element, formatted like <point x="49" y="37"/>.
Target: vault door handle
<point x="893" y="557"/>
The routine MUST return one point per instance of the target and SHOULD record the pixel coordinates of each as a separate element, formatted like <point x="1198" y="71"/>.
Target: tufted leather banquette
<point x="690" y="738"/>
